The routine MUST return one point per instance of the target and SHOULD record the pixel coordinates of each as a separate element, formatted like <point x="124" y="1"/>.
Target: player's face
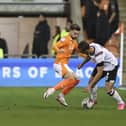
<point x="85" y="52"/>
<point x="74" y="34"/>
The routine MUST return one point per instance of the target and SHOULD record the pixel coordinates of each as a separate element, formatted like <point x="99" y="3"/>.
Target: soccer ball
<point x="87" y="103"/>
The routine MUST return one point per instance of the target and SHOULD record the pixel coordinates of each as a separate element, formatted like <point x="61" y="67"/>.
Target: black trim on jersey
<point x="100" y="64"/>
<point x="93" y="52"/>
<point x="99" y="53"/>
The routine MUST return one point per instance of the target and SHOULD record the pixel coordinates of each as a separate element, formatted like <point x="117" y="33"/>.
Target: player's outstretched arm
<point x="85" y="61"/>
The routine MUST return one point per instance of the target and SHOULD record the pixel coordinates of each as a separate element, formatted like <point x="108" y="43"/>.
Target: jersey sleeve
<point x="99" y="57"/>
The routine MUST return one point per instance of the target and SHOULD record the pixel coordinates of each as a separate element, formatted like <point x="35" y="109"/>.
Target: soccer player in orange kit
<point x="64" y="49"/>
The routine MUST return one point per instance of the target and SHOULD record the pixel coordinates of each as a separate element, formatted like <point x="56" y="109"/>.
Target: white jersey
<point x="101" y="54"/>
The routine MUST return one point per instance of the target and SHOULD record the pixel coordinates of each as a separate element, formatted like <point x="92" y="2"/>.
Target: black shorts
<point x="110" y="75"/>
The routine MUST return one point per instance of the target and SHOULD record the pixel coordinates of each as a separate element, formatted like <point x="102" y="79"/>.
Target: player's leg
<point x="50" y="91"/>
<point x="69" y="80"/>
<point x="113" y="93"/>
<point x="93" y="94"/>
<point x="93" y="91"/>
<point x="67" y="86"/>
<point x="60" y="98"/>
<point x="111" y="77"/>
<point x="62" y="84"/>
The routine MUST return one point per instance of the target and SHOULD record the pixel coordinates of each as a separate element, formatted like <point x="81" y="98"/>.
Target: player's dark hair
<point x="75" y="27"/>
<point x="83" y="46"/>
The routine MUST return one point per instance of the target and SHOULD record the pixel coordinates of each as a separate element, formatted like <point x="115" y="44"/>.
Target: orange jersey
<point x="67" y="45"/>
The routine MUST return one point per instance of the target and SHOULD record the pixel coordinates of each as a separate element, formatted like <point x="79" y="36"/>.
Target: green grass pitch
<point x="24" y="107"/>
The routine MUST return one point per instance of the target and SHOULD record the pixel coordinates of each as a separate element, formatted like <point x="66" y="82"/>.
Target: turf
<point x="24" y="107"/>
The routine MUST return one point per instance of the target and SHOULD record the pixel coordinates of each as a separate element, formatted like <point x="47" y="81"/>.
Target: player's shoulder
<point x="96" y="45"/>
<point x="93" y="43"/>
<point x="65" y="38"/>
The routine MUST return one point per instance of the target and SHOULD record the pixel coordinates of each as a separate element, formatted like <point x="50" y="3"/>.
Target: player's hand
<point x="79" y="66"/>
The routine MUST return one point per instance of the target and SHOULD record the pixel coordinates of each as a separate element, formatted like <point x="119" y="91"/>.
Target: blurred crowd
<point x="42" y="36"/>
<point x="101" y="23"/>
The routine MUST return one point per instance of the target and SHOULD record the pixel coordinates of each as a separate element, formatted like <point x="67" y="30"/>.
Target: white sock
<point x="61" y="95"/>
<point x="93" y="94"/>
<point x="117" y="97"/>
<point x="51" y="91"/>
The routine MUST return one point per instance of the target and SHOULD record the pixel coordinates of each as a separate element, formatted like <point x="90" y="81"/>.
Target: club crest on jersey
<point x="62" y="39"/>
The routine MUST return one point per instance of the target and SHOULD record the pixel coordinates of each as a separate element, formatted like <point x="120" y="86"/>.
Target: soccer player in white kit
<point x="106" y="66"/>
